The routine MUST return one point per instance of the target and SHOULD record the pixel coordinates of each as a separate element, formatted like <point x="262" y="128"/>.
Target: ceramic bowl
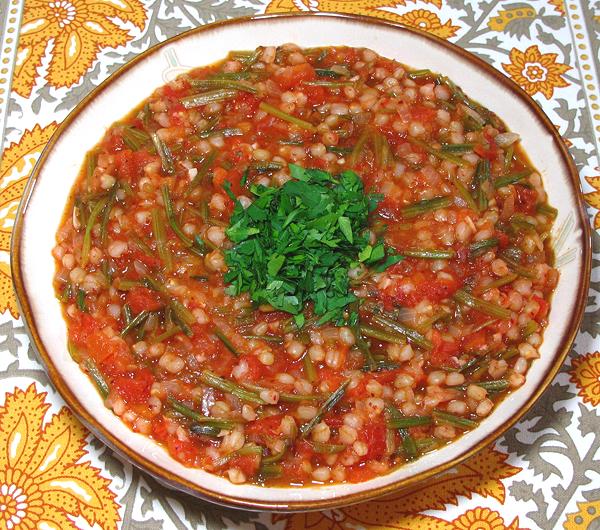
<point x="48" y="192"/>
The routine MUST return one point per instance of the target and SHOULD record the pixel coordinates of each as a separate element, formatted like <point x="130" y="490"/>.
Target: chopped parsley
<point x="295" y="244"/>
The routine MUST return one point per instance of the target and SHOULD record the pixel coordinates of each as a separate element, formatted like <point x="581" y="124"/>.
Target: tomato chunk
<point x="362" y="473"/>
<point x="423" y="113"/>
<point x="442" y="351"/>
<point x="490" y="152"/>
<point x="248" y="464"/>
<point x="374" y="434"/>
<point x="474" y="341"/>
<point x="143" y="299"/>
<point x="268" y="426"/>
<point x="246" y="104"/>
<point x="421" y="286"/>
<point x="526" y="199"/>
<point x="255" y="370"/>
<point x="186" y="451"/>
<point x="544" y="309"/>
<point x="82" y="327"/>
<point x="129" y="164"/>
<point x="292" y="76"/>
<point x="134" y="387"/>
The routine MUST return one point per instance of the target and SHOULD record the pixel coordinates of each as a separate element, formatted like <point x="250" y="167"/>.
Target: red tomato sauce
<point x="431" y="340"/>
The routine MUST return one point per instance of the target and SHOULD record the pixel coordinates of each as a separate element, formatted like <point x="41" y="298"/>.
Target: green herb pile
<point x="295" y="244"/>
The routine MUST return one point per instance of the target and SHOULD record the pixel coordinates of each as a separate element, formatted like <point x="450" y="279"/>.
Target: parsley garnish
<point x="295" y="244"/>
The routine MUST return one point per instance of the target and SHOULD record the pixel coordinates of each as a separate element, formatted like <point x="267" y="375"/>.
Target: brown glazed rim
<point x="176" y="482"/>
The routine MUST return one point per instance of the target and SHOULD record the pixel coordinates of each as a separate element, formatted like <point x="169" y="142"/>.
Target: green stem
<point x="309" y="368"/>
<point x="134" y="138"/>
<point x="80" y="301"/>
<point x="442" y="155"/>
<point x="489" y="308"/>
<point x="374" y="333"/>
<point x="97" y="377"/>
<point x="428" y="253"/>
<point x="274" y="111"/>
<point x="270" y="471"/>
<point x="228" y="344"/>
<point x="425" y="73"/>
<point x="464" y="193"/>
<point x="158" y="229"/>
<point x="457" y="148"/>
<point x="266" y="338"/>
<point x="248" y="450"/>
<point x="112" y="197"/>
<point x="329" y="84"/>
<point x="408" y="444"/>
<point x="445" y="417"/>
<point x="359" y="148"/>
<point x="479" y="246"/>
<point x="135" y="322"/>
<point x="164" y="153"/>
<point x="482" y="175"/>
<point x="229" y="84"/>
<point x="87" y="237"/>
<point x="492" y="386"/>
<point x="511" y="179"/>
<point x="411" y="334"/>
<point x="428" y="205"/>
<point x="213" y="380"/>
<point x="203" y="169"/>
<point x="171" y="217"/>
<point x="327" y="448"/>
<point x="495" y="284"/>
<point x="197" y="417"/>
<point x="408" y="421"/>
<point x="329" y="403"/>
<point x="284" y="396"/>
<point x="212" y="96"/>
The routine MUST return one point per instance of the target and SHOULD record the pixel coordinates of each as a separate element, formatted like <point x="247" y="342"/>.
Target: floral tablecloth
<point x="544" y="473"/>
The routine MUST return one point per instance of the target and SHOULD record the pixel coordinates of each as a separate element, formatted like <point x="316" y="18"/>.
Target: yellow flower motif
<point x="536" y="71"/>
<point x="482" y="474"/>
<point x="41" y="483"/>
<point x="430" y="22"/>
<point x="15" y="167"/>
<point x="559" y="6"/>
<point x="593" y="197"/>
<point x="585" y="373"/>
<point x="587" y="513"/>
<point x="77" y="31"/>
<point x="374" y="8"/>
<point x="479" y="519"/>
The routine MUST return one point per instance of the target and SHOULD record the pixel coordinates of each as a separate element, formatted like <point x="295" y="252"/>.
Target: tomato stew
<point x="305" y="266"/>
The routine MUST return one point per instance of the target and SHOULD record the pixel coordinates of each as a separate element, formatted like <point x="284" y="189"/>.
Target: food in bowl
<point x="306" y="266"/>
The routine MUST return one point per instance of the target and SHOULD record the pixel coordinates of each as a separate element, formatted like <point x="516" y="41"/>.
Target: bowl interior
<point x="58" y="170"/>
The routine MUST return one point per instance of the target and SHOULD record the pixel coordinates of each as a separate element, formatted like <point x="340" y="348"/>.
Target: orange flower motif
<point x="536" y="71"/>
<point x="430" y="22"/>
<point x="41" y="483"/>
<point x="584" y="517"/>
<point x="585" y="373"/>
<point x="373" y="8"/>
<point x="559" y="6"/>
<point x="593" y="197"/>
<point x="480" y="519"/>
<point x="77" y="31"/>
<point x="15" y="167"/>
<point x="482" y="474"/>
